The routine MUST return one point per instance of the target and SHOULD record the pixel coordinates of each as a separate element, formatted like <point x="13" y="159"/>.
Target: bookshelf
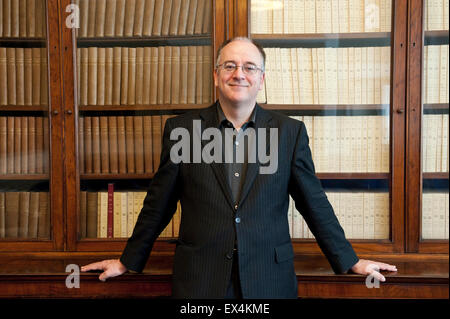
<point x="340" y="76"/>
<point x="29" y="108"/>
<point x="84" y="97"/>
<point x="434" y="123"/>
<point x="326" y="41"/>
<point x="143" y="63"/>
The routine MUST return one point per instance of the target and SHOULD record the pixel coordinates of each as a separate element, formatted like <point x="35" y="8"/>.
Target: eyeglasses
<point x="247" y="68"/>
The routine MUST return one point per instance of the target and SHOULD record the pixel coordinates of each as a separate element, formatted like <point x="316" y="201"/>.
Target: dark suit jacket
<point x="202" y="263"/>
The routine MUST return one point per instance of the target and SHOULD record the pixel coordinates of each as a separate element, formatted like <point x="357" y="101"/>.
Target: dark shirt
<point x="237" y="168"/>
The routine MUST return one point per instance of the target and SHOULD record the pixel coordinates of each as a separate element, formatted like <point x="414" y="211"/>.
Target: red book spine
<point x="110" y="210"/>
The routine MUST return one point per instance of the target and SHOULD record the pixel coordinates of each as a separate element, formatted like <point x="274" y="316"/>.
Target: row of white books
<point x="362" y="215"/>
<point x="122" y="218"/>
<point x="113" y="214"/>
<point x="327" y="76"/>
<point x="320" y="16"/>
<point x="348" y="143"/>
<point x="435" y="220"/>
<point x="435" y="15"/>
<point x="435" y="141"/>
<point x="435" y="74"/>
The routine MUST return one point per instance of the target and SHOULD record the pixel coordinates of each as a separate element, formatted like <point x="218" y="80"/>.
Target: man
<point x="234" y="235"/>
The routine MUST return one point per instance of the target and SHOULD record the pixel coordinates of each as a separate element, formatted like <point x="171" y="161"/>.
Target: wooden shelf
<point x="435" y="106"/>
<point x="116" y="176"/>
<point x="363" y="176"/>
<point x="356" y="39"/>
<point x="200" y="39"/>
<point x="325" y="107"/>
<point x="353" y="175"/>
<point x="152" y="107"/>
<point x="24" y="177"/>
<point x="44" y="276"/>
<point x="26" y="108"/>
<point x="437" y="175"/>
<point x="276" y="107"/>
<point x="23" y="42"/>
<point x="436" y="37"/>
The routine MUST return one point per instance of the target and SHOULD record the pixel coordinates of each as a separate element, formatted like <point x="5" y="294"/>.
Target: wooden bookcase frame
<point x="232" y="18"/>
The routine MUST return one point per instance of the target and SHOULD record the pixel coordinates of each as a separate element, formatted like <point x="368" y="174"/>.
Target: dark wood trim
<point x="45" y="277"/>
<point x="436" y="175"/>
<point x="336" y="175"/>
<point x="323" y="36"/>
<point x="221" y="16"/>
<point x="325" y="107"/>
<point x="24" y="177"/>
<point x="152" y="107"/>
<point x="71" y="177"/>
<point x="56" y="131"/>
<point x="26" y="108"/>
<point x="397" y="123"/>
<point x="202" y="39"/>
<point x="413" y="142"/>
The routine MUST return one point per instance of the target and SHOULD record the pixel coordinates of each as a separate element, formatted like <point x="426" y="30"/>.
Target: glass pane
<point x="435" y="75"/>
<point x="24" y="123"/>
<point x="148" y="59"/>
<point x="332" y="72"/>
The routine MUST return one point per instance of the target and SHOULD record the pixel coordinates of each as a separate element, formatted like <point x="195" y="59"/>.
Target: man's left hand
<point x="369" y="267"/>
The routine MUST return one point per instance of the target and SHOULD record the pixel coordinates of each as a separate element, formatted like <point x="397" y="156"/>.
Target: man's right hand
<point x="110" y="267"/>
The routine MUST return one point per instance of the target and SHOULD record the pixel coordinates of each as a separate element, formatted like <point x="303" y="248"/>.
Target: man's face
<point x="237" y="87"/>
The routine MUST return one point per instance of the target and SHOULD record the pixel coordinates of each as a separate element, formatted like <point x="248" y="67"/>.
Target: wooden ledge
<point x="44" y="276"/>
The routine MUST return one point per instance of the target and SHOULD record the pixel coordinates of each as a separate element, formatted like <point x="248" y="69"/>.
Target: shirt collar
<point x="223" y="121"/>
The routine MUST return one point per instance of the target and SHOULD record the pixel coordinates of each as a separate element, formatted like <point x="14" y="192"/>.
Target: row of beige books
<point x="120" y="144"/>
<point x="117" y="18"/>
<point x="344" y="144"/>
<point x="435" y="141"/>
<point x="144" y="75"/>
<point x="435" y="220"/>
<point x="23" y="73"/>
<point x="113" y="214"/>
<point x="362" y="215"/>
<point x="22" y="18"/>
<point x="359" y="75"/>
<point x="24" y="145"/>
<point x="436" y="74"/>
<point x="24" y="215"/>
<point x="320" y="16"/>
<point x="435" y="15"/>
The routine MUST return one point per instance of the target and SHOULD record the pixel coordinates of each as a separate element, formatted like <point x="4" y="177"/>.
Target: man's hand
<point x="110" y="267"/>
<point x="367" y="267"/>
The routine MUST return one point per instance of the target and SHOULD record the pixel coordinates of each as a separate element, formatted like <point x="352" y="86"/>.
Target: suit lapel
<point x="209" y="117"/>
<point x="262" y="121"/>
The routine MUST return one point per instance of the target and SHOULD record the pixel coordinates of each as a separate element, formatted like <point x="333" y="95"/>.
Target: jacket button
<point x="229" y="256"/>
<point x="237" y="220"/>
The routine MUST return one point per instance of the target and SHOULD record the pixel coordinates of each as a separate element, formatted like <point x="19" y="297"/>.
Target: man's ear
<point x="216" y="82"/>
<point x="263" y="76"/>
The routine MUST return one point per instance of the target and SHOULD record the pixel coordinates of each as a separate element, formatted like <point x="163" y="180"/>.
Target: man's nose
<point x="238" y="73"/>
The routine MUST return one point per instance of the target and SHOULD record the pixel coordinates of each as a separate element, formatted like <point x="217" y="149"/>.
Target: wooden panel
<point x="44" y="276"/>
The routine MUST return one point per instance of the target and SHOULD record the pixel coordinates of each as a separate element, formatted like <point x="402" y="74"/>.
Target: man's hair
<point x="258" y="46"/>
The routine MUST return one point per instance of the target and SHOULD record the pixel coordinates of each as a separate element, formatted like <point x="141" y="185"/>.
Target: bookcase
<point x="337" y="65"/>
<point x="83" y="104"/>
